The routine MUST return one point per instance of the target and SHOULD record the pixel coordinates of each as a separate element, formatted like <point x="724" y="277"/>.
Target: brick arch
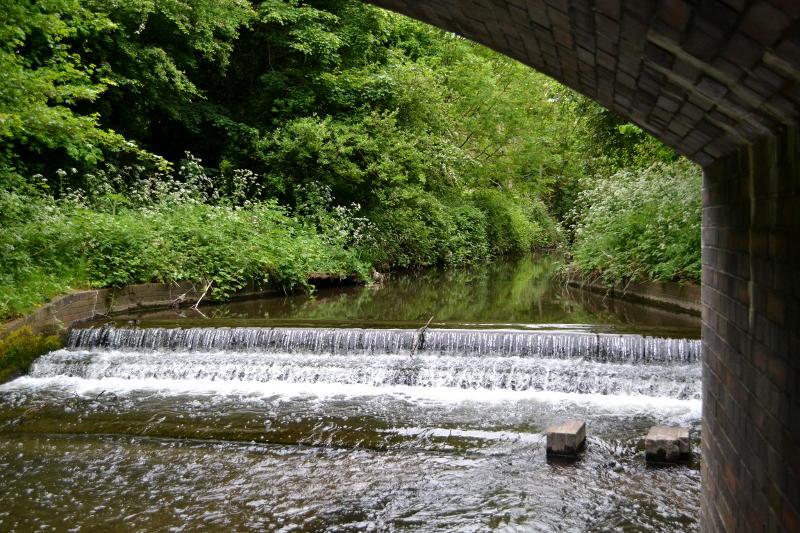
<point x="704" y="76"/>
<point x="719" y="81"/>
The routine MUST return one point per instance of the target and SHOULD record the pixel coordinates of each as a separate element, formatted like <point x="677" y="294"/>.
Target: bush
<point x="62" y="246"/>
<point x="469" y="240"/>
<point x="19" y="348"/>
<point x="641" y="224"/>
<point x="427" y="230"/>
<point x="515" y="224"/>
<point x="546" y="232"/>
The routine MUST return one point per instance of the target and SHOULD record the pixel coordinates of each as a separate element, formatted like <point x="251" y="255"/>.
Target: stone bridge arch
<point x="719" y="81"/>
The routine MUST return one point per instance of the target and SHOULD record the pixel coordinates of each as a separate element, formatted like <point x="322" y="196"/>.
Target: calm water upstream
<point x="330" y="414"/>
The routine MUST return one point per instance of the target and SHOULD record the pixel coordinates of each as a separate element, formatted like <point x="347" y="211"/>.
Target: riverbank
<point x="680" y="297"/>
<point x="24" y="339"/>
<point x="61" y="312"/>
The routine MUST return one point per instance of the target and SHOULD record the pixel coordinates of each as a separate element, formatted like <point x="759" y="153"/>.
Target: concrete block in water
<point x="566" y="439"/>
<point x="666" y="444"/>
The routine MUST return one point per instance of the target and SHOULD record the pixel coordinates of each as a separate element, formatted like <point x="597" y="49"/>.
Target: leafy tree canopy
<point x="402" y="144"/>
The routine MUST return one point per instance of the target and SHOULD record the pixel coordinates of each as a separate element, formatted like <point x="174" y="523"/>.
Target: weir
<point x="579" y="363"/>
<point x="269" y="427"/>
<point x="588" y="346"/>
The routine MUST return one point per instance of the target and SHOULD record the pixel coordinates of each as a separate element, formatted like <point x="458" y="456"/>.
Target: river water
<point x="332" y="413"/>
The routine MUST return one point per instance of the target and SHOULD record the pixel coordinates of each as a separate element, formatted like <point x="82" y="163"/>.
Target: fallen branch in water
<point x="208" y="286"/>
<point x="420" y="340"/>
<point x="199" y="312"/>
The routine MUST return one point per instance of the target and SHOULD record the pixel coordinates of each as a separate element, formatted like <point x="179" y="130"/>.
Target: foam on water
<point x="600" y="404"/>
<point x="447" y="366"/>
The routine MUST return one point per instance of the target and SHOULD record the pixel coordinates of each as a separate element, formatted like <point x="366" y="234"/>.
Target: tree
<point x="43" y="84"/>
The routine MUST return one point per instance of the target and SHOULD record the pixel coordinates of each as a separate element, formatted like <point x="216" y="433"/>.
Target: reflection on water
<point x="287" y="428"/>
<point x="519" y="293"/>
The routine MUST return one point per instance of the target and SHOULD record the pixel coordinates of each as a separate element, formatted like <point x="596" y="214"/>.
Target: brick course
<point x="736" y="61"/>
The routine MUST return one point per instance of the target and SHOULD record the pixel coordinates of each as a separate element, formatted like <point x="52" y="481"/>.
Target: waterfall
<point x="465" y="343"/>
<point x="494" y="360"/>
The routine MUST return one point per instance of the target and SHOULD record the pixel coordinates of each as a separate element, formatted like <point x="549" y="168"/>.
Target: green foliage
<point x="389" y="143"/>
<point x="459" y="230"/>
<point x="515" y="224"/>
<point x="156" y="59"/>
<point x="201" y="242"/>
<point x="20" y="347"/>
<point x="426" y="231"/>
<point x="641" y="224"/>
<point x="369" y="160"/>
<point x="51" y="246"/>
<point x="42" y="81"/>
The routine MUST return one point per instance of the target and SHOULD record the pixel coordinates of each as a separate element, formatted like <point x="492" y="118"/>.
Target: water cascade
<point x="494" y="360"/>
<point x="587" y="346"/>
<point x="343" y="425"/>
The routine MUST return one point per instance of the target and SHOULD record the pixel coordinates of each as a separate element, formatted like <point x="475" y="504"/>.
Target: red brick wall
<point x="751" y="338"/>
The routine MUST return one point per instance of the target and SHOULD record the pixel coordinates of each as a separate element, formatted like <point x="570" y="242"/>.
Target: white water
<point x="229" y="370"/>
<point x="262" y="362"/>
<point x="560" y="345"/>
<point x="259" y="429"/>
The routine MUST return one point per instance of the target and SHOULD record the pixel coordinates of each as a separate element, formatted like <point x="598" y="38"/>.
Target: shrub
<point x="427" y="230"/>
<point x="62" y="246"/>
<point x="515" y="224"/>
<point x="404" y="238"/>
<point x="641" y="224"/>
<point x="468" y="241"/>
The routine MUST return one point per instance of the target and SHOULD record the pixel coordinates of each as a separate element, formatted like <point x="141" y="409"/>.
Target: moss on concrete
<point x="20" y="347"/>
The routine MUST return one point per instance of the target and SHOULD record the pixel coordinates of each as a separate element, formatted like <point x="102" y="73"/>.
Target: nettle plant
<point x="641" y="224"/>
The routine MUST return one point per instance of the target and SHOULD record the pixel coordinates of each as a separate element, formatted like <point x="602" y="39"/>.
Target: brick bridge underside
<point x="719" y="81"/>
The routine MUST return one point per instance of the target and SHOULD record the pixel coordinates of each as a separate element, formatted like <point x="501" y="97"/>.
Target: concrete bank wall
<point x="63" y="311"/>
<point x="672" y="296"/>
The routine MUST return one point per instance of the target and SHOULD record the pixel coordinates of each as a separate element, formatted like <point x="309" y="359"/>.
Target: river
<point x="331" y="413"/>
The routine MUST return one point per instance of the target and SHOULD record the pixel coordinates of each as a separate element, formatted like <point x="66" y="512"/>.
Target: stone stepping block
<point x="566" y="439"/>
<point x="665" y="444"/>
